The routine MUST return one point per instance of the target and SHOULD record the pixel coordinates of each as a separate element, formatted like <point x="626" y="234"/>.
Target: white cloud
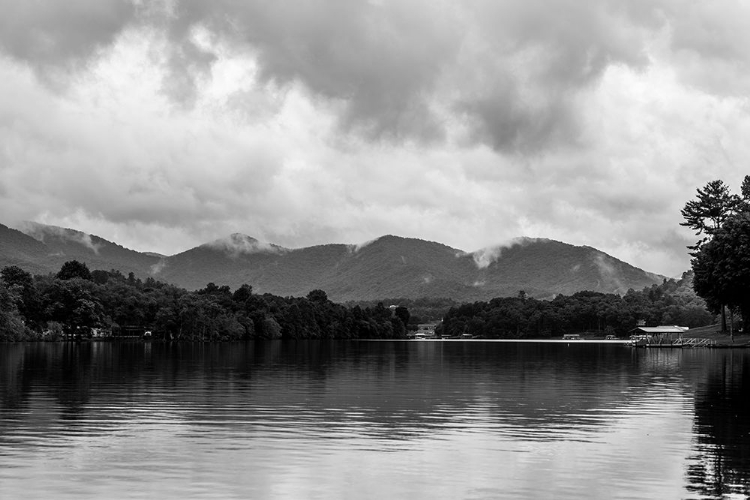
<point x="41" y="233"/>
<point x="486" y="256"/>
<point x="237" y="244"/>
<point x="165" y="127"/>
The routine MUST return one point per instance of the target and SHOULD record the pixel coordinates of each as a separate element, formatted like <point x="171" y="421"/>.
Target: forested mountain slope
<point x="389" y="266"/>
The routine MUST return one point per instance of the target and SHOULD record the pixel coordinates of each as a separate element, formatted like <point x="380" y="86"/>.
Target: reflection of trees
<point x="721" y="463"/>
<point x="389" y="389"/>
<point x="14" y="387"/>
<point x="62" y="370"/>
<point x="71" y="378"/>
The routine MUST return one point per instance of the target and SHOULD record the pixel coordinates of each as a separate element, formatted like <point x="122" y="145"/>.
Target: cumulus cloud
<point x="512" y="70"/>
<point x="162" y="125"/>
<point x="52" y="34"/>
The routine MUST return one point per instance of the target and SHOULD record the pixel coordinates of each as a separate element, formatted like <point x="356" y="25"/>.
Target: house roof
<point x="662" y="329"/>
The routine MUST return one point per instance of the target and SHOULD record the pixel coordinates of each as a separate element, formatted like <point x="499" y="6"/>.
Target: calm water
<point x="376" y="420"/>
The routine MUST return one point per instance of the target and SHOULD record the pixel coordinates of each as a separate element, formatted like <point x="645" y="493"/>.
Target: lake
<point x="373" y="419"/>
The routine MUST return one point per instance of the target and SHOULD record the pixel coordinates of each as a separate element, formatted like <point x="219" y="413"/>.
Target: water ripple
<point x="373" y="420"/>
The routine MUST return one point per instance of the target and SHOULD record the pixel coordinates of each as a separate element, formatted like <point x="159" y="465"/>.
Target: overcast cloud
<point x="164" y="125"/>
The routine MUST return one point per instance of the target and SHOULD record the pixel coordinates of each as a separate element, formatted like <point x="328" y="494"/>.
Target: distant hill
<point x="389" y="266"/>
<point x="548" y="265"/>
<point x="19" y="249"/>
<point x="42" y="249"/>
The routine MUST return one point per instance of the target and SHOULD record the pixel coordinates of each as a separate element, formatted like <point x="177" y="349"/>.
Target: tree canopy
<point x="721" y="260"/>
<point x="722" y="266"/>
<point x="76" y="301"/>
<point x="74" y="269"/>
<point x="713" y="205"/>
<point x="671" y="303"/>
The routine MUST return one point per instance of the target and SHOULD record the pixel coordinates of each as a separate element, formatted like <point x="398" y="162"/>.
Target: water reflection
<point x="595" y="420"/>
<point x="721" y="460"/>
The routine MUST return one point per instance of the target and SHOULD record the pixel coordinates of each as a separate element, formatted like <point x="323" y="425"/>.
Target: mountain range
<point x="387" y="267"/>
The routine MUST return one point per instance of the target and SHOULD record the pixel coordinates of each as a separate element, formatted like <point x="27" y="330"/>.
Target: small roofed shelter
<point x="661" y="334"/>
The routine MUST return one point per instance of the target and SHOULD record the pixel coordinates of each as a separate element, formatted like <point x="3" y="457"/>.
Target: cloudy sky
<point x="165" y="124"/>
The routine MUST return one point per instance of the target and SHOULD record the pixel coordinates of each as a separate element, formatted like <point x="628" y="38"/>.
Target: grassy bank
<point x="713" y="332"/>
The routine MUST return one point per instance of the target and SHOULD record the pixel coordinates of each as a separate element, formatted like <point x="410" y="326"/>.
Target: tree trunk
<point x="745" y="312"/>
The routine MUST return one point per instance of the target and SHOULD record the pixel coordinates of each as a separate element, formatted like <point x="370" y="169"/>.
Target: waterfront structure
<point x="660" y="335"/>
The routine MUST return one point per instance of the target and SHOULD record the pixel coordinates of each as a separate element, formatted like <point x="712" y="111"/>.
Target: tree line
<point x="76" y="301"/>
<point x="671" y="303"/>
<point x="719" y="282"/>
<point x="422" y="310"/>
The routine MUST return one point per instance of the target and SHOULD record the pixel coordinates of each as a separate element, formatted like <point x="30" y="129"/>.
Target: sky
<point x="161" y="125"/>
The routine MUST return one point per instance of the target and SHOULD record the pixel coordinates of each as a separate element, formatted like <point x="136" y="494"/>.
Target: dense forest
<point x="421" y="310"/>
<point x="78" y="301"/>
<point x="671" y="303"/>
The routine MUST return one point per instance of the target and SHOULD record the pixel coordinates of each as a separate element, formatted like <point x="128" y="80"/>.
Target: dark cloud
<point x="512" y="69"/>
<point x="53" y="34"/>
<point x="508" y="125"/>
<point x="381" y="61"/>
<point x="307" y="122"/>
<point x="536" y="57"/>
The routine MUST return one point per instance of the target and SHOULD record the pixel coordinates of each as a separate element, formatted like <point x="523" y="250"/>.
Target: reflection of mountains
<point x="388" y="389"/>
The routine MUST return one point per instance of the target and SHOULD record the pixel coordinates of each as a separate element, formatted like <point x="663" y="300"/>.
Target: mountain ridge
<point x="388" y="266"/>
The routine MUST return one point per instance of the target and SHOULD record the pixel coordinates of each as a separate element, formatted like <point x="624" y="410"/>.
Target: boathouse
<point x="664" y="334"/>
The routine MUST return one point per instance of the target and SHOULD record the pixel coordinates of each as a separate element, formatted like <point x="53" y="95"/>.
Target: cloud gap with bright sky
<point x="164" y="125"/>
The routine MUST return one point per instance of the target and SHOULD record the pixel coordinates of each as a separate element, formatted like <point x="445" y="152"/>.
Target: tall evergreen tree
<point x="713" y="205"/>
<point x="722" y="217"/>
